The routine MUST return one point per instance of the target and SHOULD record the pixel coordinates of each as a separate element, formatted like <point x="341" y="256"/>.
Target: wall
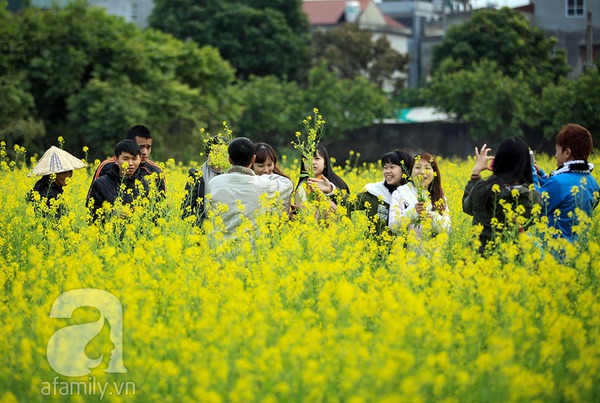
<point x="447" y="139"/>
<point x="570" y="31"/>
<point x="371" y="142"/>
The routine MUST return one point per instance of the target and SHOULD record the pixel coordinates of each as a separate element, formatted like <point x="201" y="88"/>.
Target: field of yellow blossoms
<point x="308" y="311"/>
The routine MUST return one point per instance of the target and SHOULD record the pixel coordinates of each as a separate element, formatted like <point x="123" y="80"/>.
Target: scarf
<point x="579" y="166"/>
<point x="389" y="187"/>
<point x="381" y="189"/>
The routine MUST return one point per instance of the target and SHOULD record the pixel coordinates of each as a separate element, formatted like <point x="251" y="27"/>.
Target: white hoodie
<point x="241" y="184"/>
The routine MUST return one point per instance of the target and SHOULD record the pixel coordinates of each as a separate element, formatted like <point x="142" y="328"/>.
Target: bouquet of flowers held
<point x="218" y="154"/>
<point x="307" y="145"/>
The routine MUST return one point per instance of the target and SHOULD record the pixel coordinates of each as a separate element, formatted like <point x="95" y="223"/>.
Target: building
<point x="326" y="14"/>
<point x="136" y="11"/>
<point x="416" y="15"/>
<point x="567" y="21"/>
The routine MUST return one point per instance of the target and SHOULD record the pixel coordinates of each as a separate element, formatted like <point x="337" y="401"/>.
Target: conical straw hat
<point x="54" y="161"/>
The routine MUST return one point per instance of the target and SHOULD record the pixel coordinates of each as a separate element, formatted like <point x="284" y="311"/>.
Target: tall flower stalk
<point x="418" y="180"/>
<point x="307" y="142"/>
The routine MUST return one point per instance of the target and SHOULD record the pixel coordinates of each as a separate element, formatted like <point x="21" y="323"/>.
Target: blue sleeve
<point x="538" y="179"/>
<point x="556" y="193"/>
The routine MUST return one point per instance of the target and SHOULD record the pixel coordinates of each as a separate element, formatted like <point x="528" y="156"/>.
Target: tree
<point x="350" y="52"/>
<point x="494" y="104"/>
<point x="273" y="109"/>
<point x="16" y="124"/>
<point x="346" y="104"/>
<point x="89" y="76"/>
<point x="505" y="37"/>
<point x="257" y="37"/>
<point x="573" y="101"/>
<point x="491" y="71"/>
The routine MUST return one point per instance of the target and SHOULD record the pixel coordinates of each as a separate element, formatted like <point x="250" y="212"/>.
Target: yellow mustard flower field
<point x="309" y="310"/>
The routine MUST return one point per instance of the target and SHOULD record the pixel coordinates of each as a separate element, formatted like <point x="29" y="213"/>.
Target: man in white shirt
<point x="241" y="186"/>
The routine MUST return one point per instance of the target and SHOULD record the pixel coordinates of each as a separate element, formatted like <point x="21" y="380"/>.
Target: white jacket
<point x="241" y="184"/>
<point x="402" y="209"/>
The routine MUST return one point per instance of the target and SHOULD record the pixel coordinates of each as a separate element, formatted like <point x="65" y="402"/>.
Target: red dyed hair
<point x="577" y="138"/>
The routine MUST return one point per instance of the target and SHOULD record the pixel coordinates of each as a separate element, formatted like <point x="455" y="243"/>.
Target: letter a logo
<point x="66" y="347"/>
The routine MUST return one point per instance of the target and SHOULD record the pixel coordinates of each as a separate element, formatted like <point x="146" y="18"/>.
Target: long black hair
<point x="512" y="165"/>
<point x="327" y="170"/>
<point x="436" y="193"/>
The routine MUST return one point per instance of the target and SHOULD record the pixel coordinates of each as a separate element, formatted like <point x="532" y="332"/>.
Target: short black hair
<point x="241" y="151"/>
<point x="138" y="131"/>
<point x="128" y="146"/>
<point x="398" y="157"/>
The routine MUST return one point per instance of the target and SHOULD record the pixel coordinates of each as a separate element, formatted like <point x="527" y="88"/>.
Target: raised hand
<point x="322" y="184"/>
<point x="482" y="161"/>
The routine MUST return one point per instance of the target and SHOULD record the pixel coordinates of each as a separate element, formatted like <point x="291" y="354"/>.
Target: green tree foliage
<point x="503" y="36"/>
<point x="100" y="109"/>
<point x="491" y="71"/>
<point x="573" y="101"/>
<point x="350" y="52"/>
<point x="346" y="104"/>
<point x="273" y="110"/>
<point x="494" y="104"/>
<point x="88" y="76"/>
<point x="16" y="104"/>
<point x="258" y="37"/>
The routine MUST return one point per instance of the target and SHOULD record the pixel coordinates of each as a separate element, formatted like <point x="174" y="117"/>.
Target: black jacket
<point x="484" y="205"/>
<point x="193" y="201"/>
<point x="107" y="188"/>
<point x="48" y="191"/>
<point x="146" y="168"/>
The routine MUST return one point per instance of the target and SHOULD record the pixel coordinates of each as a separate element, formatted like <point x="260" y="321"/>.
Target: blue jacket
<point x="561" y="198"/>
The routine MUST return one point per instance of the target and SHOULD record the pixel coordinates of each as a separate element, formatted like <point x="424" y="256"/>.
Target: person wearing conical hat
<point x="55" y="166"/>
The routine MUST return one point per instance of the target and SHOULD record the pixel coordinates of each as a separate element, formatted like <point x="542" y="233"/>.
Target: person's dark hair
<point x="138" y="131"/>
<point x="436" y="193"/>
<point x="241" y="151"/>
<point x="327" y="170"/>
<point x="578" y="139"/>
<point x="512" y="165"/>
<point x="400" y="158"/>
<point x="264" y="152"/>
<point x="128" y="146"/>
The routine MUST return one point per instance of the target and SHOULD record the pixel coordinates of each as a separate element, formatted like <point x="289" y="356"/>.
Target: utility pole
<point x="589" y="61"/>
<point x="444" y="20"/>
